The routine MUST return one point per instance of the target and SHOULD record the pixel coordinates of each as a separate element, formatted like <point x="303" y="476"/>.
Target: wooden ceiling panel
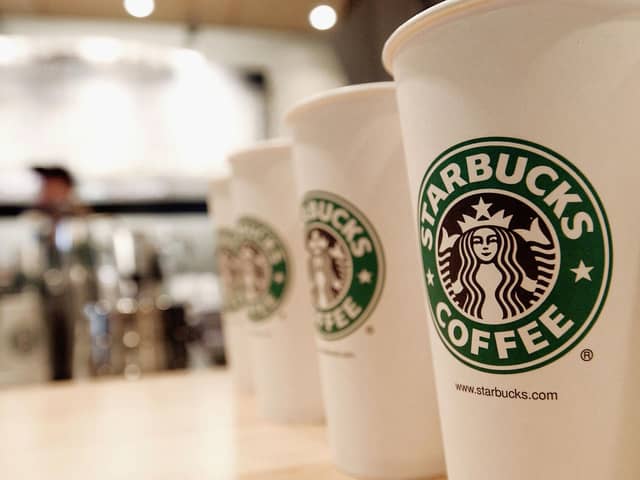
<point x="18" y="6"/>
<point x="165" y="10"/>
<point x="210" y="11"/>
<point x="279" y="14"/>
<point x="287" y="14"/>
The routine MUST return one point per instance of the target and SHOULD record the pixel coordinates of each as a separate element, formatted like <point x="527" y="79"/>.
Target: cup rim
<point x="436" y="14"/>
<point x="272" y="144"/>
<point x="440" y="13"/>
<point x="221" y="181"/>
<point x="335" y="95"/>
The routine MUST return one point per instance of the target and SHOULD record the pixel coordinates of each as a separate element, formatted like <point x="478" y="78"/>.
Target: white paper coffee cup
<point x="519" y="122"/>
<point x="366" y="284"/>
<point x="235" y="323"/>
<point x="285" y="363"/>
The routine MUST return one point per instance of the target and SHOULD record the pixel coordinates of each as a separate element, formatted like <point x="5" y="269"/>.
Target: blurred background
<point x="114" y="117"/>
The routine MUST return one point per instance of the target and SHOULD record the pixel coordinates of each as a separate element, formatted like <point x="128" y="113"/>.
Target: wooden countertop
<point x="183" y="426"/>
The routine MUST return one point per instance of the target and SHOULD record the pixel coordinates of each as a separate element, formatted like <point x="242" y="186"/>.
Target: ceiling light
<point x="323" y="17"/>
<point x="139" y="8"/>
<point x="100" y="50"/>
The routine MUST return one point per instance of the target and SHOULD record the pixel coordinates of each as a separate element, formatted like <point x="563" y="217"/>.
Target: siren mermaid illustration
<point x="255" y="272"/>
<point x="327" y="268"/>
<point x="483" y="266"/>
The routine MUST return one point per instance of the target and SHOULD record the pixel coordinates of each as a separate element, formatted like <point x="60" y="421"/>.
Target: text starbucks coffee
<point x="530" y="335"/>
<point x="345" y="263"/>
<point x="516" y="253"/>
<point x="359" y="245"/>
<point x="272" y="249"/>
<point x="342" y="221"/>
<point x="341" y="316"/>
<point x="539" y="180"/>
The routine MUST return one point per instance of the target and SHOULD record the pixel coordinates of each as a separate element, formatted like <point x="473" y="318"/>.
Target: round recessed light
<point x="323" y="17"/>
<point x="139" y="8"/>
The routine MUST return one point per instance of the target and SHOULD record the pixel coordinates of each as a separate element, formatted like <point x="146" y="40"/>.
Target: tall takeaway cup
<point x="234" y="320"/>
<point x="285" y="364"/>
<point x="519" y="123"/>
<point x="366" y="284"/>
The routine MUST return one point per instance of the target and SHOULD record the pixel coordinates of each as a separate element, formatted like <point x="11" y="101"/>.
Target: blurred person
<point x="57" y="202"/>
<point x="57" y="197"/>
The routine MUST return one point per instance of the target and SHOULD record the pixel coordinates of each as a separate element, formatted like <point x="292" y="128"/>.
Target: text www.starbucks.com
<point x="507" y="394"/>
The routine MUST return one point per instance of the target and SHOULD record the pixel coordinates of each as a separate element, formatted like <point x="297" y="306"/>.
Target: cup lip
<point x="336" y="95"/>
<point x="448" y="11"/>
<point x="223" y="181"/>
<point x="272" y="144"/>
<point x="432" y="16"/>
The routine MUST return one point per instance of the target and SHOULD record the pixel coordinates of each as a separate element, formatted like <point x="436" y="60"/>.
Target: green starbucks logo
<point x="264" y="265"/>
<point x="516" y="252"/>
<point x="345" y="263"/>
<point x="229" y="269"/>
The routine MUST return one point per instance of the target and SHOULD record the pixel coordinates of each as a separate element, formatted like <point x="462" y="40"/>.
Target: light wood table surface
<point x="184" y="426"/>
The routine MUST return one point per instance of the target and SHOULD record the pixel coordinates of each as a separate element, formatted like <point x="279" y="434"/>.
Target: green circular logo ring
<point x="345" y="263"/>
<point x="516" y="252"/>
<point x="265" y="268"/>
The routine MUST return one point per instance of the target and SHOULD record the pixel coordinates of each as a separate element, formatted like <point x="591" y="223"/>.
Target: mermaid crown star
<point x="483" y="218"/>
<point x="497" y="220"/>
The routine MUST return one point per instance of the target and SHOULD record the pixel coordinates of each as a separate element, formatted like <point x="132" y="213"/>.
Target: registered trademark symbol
<point x="370" y="330"/>
<point x="587" y="355"/>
